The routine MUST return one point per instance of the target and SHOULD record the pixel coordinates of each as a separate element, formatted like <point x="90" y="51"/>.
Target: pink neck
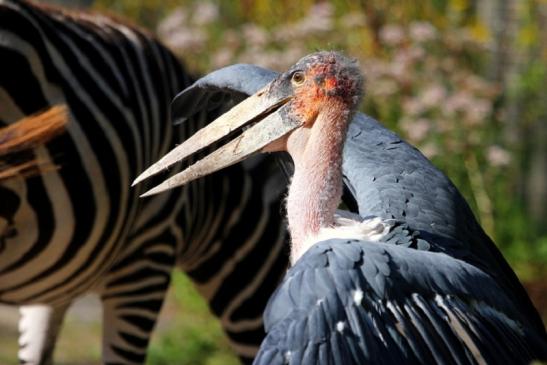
<point x="316" y="187"/>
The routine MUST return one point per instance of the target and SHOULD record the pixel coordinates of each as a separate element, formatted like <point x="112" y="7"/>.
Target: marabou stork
<point x="419" y="283"/>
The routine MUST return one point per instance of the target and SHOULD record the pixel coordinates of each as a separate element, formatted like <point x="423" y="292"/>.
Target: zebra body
<point x="81" y="228"/>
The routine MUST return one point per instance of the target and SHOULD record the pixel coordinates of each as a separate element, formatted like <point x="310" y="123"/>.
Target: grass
<point x="188" y="333"/>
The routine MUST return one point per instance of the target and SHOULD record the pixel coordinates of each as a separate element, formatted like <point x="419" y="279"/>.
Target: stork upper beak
<point x="262" y="108"/>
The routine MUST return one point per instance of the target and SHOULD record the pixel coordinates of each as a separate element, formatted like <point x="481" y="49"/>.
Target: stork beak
<point x="266" y="111"/>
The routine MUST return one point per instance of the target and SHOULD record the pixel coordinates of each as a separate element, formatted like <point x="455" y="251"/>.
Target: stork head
<point x="315" y="82"/>
<point x="276" y="118"/>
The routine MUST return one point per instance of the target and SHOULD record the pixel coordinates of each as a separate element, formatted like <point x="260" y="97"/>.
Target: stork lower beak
<point x="263" y="110"/>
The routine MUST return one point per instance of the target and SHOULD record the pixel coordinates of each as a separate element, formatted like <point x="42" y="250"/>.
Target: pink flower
<point x="353" y="20"/>
<point x="416" y="130"/>
<point x="254" y="34"/>
<point x="412" y="106"/>
<point x="497" y="156"/>
<point x="321" y="10"/>
<point x="186" y="39"/>
<point x="422" y="31"/>
<point x="433" y="95"/>
<point x="223" y="57"/>
<point x="392" y="35"/>
<point x="478" y="111"/>
<point x="173" y="21"/>
<point x="398" y="69"/>
<point x="416" y="53"/>
<point x="205" y="13"/>
<point x="457" y="102"/>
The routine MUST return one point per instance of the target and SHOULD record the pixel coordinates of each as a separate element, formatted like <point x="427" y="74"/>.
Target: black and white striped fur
<point x="82" y="229"/>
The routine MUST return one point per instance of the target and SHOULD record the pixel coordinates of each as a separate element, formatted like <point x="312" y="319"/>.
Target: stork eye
<point x="298" y="78"/>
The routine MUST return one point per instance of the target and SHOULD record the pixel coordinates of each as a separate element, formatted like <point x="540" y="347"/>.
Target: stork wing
<point x="390" y="178"/>
<point x="355" y="302"/>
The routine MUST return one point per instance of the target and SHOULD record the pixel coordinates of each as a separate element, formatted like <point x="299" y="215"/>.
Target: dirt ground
<point x="79" y="341"/>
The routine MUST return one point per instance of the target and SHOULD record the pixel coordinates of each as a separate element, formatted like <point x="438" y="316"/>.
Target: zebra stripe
<point x="81" y="228"/>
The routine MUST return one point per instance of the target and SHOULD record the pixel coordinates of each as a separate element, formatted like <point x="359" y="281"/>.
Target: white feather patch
<point x="370" y="229"/>
<point x="358" y="297"/>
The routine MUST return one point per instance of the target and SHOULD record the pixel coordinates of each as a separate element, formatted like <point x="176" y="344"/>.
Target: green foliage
<point x="192" y="335"/>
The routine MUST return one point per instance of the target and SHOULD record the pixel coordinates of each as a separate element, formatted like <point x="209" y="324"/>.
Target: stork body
<point x="426" y="286"/>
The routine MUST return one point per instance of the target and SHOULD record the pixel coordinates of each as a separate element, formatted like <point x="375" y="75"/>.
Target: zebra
<point x="81" y="228"/>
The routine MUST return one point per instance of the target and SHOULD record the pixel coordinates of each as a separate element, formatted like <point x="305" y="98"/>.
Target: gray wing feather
<point x="430" y="308"/>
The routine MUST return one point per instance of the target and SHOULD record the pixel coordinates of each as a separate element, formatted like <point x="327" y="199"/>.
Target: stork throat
<point x="316" y="188"/>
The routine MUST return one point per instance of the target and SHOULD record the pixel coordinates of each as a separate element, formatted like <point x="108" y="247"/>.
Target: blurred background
<point x="463" y="80"/>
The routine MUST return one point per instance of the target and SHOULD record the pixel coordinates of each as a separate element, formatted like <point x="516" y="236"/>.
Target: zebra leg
<point x="38" y="327"/>
<point x="128" y="322"/>
<point x="132" y="299"/>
